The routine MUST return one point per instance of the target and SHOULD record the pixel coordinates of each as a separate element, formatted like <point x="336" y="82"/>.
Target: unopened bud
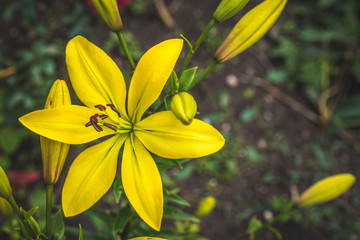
<point x="5" y="208"/>
<point x="5" y="189"/>
<point x="53" y="152"/>
<point x="184" y="107"/>
<point x="228" y="8"/>
<point x="109" y="12"/>
<point x="326" y="190"/>
<point x="205" y="207"/>
<point x="250" y="29"/>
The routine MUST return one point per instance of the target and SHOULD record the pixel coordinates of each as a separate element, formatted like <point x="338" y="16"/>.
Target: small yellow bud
<point x="205" y="207"/>
<point x="54" y="153"/>
<point x="184" y="107"/>
<point x="250" y="29"/>
<point x="5" y="189"/>
<point x="109" y="12"/>
<point x="228" y="8"/>
<point x="5" y="208"/>
<point x="326" y="190"/>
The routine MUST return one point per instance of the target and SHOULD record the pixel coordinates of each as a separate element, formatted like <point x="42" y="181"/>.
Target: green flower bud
<point x="5" y="189"/>
<point x="54" y="153"/>
<point x="184" y="107"/>
<point x="326" y="190"/>
<point x="228" y="8"/>
<point x="109" y="12"/>
<point x="250" y="29"/>
<point x="33" y="224"/>
<point x="205" y="207"/>
<point x="5" y="208"/>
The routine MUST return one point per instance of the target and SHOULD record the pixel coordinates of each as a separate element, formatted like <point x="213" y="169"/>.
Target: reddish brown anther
<point x="100" y="107"/>
<point x="113" y="108"/>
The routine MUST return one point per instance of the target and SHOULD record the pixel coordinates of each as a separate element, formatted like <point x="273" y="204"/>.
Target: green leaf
<point x="10" y="139"/>
<point x="58" y="227"/>
<point x="118" y="189"/>
<point x="177" y="214"/>
<point x="186" y="79"/>
<point x="276" y="76"/>
<point x="275" y="231"/>
<point x="173" y="197"/>
<point x="254" y="226"/>
<point x="31" y="212"/>
<point x="167" y="102"/>
<point x="248" y="114"/>
<point x="173" y="82"/>
<point x="224" y="99"/>
<point x="102" y="221"/>
<point x="215" y="117"/>
<point x="122" y="218"/>
<point x="252" y="154"/>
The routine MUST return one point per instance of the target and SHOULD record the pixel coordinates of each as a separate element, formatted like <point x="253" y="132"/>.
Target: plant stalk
<point x="49" y="200"/>
<point x="197" y="45"/>
<point x="124" y="46"/>
<point x="204" y="73"/>
<point x="21" y="216"/>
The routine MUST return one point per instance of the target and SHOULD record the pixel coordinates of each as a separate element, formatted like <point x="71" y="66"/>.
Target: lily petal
<point x="142" y="182"/>
<point x="91" y="175"/>
<point x="95" y="77"/>
<point x="150" y="76"/>
<point x="64" y="124"/>
<point x="163" y="134"/>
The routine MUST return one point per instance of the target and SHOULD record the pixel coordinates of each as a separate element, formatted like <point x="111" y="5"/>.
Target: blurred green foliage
<point x="319" y="46"/>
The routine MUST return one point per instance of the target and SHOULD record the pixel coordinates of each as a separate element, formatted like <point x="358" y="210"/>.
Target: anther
<point x="103" y="116"/>
<point x="100" y="107"/>
<point x="94" y="118"/>
<point x="113" y="108"/>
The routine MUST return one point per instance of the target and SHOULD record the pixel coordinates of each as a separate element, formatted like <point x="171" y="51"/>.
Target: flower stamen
<point x="100" y="107"/>
<point x="114" y="108"/>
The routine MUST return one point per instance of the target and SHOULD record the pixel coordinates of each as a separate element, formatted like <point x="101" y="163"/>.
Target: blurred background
<point x="289" y="107"/>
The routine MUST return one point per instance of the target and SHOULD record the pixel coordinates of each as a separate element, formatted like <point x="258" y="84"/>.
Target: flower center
<point x="99" y="121"/>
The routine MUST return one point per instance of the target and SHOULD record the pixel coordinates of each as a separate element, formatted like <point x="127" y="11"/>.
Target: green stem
<point x="49" y="200"/>
<point x="286" y="211"/>
<point x="197" y="45"/>
<point x="204" y="73"/>
<point x="21" y="216"/>
<point x="124" y="46"/>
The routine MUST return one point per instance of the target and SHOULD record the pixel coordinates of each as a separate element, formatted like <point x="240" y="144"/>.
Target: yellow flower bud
<point x="54" y="153"/>
<point x="184" y="107"/>
<point x="326" y="190"/>
<point x="250" y="29"/>
<point x="5" y="189"/>
<point x="205" y="207"/>
<point x="109" y="12"/>
<point x="5" y="208"/>
<point x="228" y="8"/>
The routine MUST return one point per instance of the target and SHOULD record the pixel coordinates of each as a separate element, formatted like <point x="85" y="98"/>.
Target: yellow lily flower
<point x="100" y="85"/>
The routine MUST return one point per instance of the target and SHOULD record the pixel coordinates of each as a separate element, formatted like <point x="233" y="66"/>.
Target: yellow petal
<point x="250" y="29"/>
<point x="64" y="124"/>
<point x="142" y="182"/>
<point x="163" y="134"/>
<point x="95" y="77"/>
<point x="150" y="76"/>
<point x="326" y="189"/>
<point x="90" y="176"/>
